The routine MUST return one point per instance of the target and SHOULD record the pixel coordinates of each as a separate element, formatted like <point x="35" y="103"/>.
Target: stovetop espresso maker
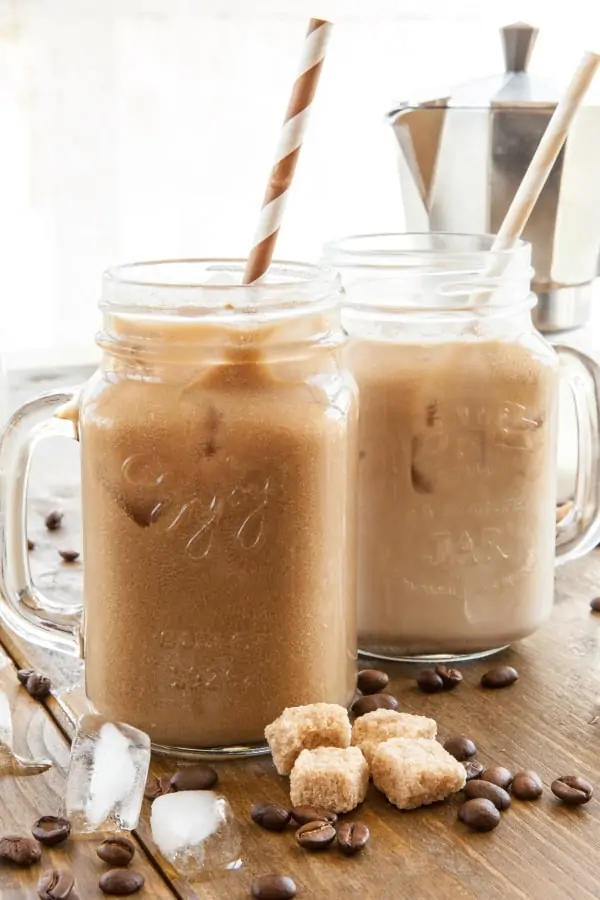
<point x="462" y="157"/>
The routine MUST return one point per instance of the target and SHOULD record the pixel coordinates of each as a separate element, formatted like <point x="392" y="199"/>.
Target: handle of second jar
<point x="578" y="521"/>
<point x="23" y="608"/>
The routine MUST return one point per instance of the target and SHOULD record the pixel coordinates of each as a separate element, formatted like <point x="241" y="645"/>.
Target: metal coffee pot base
<point x="562" y="309"/>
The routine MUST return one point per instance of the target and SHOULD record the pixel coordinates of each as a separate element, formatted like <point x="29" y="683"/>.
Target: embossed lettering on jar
<point x="219" y="461"/>
<point x="457" y="443"/>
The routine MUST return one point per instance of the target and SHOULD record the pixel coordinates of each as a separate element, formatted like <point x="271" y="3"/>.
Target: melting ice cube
<point x="196" y="831"/>
<point x="221" y="277"/>
<point x="107" y="776"/>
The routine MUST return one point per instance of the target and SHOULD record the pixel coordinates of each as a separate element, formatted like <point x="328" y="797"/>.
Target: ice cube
<point x="196" y="831"/>
<point x="221" y="277"/>
<point x="107" y="776"/>
<point x="10" y="762"/>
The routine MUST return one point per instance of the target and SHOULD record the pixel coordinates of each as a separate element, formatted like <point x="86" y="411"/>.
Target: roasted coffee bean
<point x="304" y="814"/>
<point x="498" y="775"/>
<point x="527" y="786"/>
<point x="54" y="520"/>
<point x="479" y="814"/>
<point x="316" y="835"/>
<point x="271" y="816"/>
<point x="496" y="795"/>
<point x="430" y="682"/>
<point x="23" y="675"/>
<point x="595" y="604"/>
<point x="572" y="789"/>
<point x="38" y="686"/>
<point x="30" y="544"/>
<point x="22" y="851"/>
<point x="121" y="882"/>
<point x="69" y="556"/>
<point x="460" y="747"/>
<point x="156" y="787"/>
<point x="451" y="678"/>
<point x="372" y="702"/>
<point x="51" y="830"/>
<point x="352" y="837"/>
<point x="473" y="769"/>
<point x="500" y="677"/>
<point x="273" y="887"/>
<point x="116" y="851"/>
<point x="56" y="884"/>
<point x="194" y="778"/>
<point x="372" y="681"/>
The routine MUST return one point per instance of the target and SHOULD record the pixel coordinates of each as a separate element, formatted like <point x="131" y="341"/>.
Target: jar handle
<point x="23" y="608"/>
<point x="578" y="522"/>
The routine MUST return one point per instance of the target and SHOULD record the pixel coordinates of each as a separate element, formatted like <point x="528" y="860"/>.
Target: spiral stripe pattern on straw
<point x="288" y="149"/>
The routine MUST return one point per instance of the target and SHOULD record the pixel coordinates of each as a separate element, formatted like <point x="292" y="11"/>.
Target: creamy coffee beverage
<point x="219" y="470"/>
<point x="457" y="493"/>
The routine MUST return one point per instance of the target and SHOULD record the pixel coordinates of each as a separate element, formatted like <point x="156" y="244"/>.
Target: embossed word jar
<point x="457" y="489"/>
<point x="219" y="467"/>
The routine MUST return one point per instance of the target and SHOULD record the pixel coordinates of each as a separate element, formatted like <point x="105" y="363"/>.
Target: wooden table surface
<point x="548" y="721"/>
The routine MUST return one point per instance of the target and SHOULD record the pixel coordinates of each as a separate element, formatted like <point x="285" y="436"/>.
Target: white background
<point x="135" y="129"/>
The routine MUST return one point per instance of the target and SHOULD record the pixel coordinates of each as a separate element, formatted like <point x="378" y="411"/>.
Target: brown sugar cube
<point x="301" y="728"/>
<point x="336" y="780"/>
<point x="376" y="727"/>
<point x="413" y="772"/>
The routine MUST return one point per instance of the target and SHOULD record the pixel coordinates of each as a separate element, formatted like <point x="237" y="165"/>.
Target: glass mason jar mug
<point x="458" y="427"/>
<point x="218" y="456"/>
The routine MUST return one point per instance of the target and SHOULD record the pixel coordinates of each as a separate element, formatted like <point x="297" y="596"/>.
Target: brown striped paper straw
<point x="288" y="150"/>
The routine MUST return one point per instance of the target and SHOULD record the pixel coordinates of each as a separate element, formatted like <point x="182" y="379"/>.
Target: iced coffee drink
<point x="457" y="444"/>
<point x="456" y="510"/>
<point x="219" y="470"/>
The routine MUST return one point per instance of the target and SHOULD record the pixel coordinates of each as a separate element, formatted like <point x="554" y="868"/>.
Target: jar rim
<point x="435" y="272"/>
<point x="399" y="248"/>
<point x="176" y="287"/>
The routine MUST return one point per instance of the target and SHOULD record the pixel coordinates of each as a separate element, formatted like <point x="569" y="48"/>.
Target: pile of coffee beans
<point x="490" y="793"/>
<point x="370" y="687"/>
<point x="54" y="522"/>
<point x="442" y="678"/>
<point x="316" y="830"/>
<point x="433" y="681"/>
<point x="58" y="883"/>
<point x="315" y="827"/>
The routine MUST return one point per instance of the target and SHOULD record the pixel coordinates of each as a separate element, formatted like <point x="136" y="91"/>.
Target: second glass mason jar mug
<point x="458" y="525"/>
<point x="218" y="449"/>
